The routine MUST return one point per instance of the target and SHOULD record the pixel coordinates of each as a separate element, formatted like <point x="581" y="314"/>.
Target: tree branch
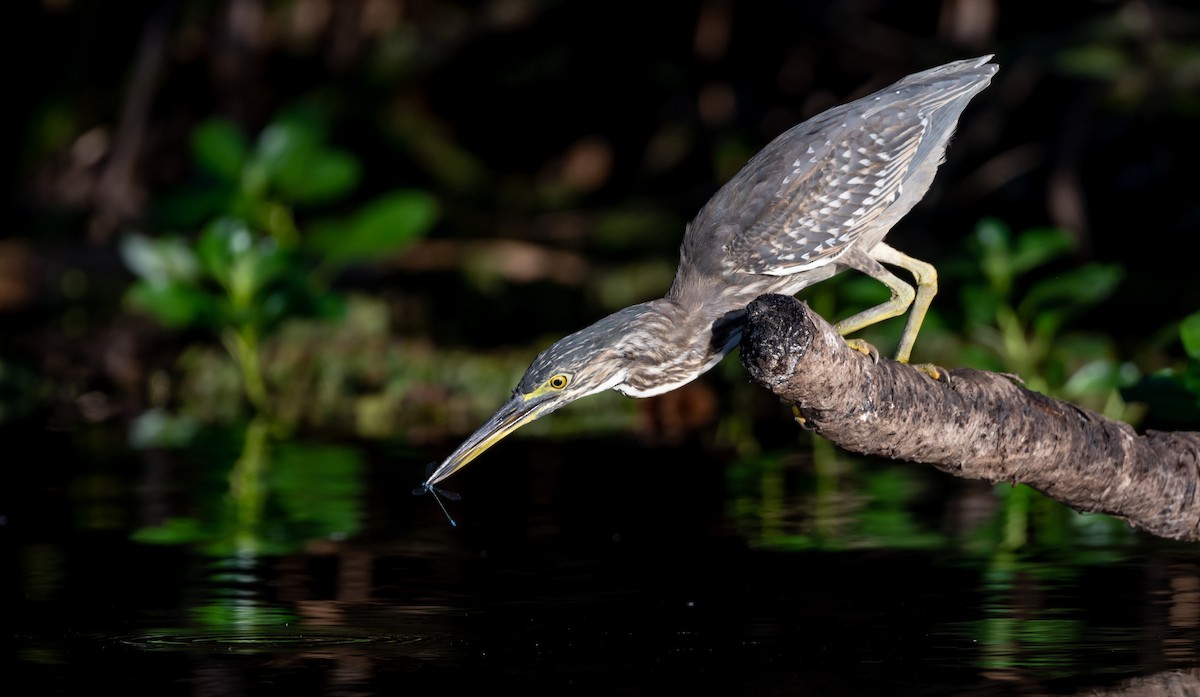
<point x="972" y="424"/>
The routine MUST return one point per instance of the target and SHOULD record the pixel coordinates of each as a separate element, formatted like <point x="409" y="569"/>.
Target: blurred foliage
<point x="1016" y="317"/>
<point x="250" y="267"/>
<point x="354" y="378"/>
<point x="517" y="123"/>
<point x="249" y="270"/>
<point x="1138" y="58"/>
<point x="1172" y="395"/>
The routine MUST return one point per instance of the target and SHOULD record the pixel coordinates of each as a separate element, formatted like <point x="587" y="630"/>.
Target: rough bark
<point x="972" y="424"/>
<point x="1173" y="683"/>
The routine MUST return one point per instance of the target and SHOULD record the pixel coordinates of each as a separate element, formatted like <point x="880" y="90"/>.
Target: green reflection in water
<point x="1027" y="520"/>
<point x="829" y="501"/>
<point x="248" y="490"/>
<point x="278" y="497"/>
<point x="1027" y="628"/>
<point x="233" y="597"/>
<point x="1015" y="630"/>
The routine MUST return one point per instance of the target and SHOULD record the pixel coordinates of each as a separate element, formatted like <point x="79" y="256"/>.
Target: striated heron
<point x="816" y="201"/>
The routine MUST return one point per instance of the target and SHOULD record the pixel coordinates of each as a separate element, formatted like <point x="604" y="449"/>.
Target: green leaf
<point x="1045" y="326"/>
<point x="240" y="261"/>
<point x="158" y="428"/>
<point x="326" y="176"/>
<point x="220" y="148"/>
<point x="266" y="263"/>
<point x="285" y="146"/>
<point x="979" y="304"/>
<point x="992" y="243"/>
<point x="992" y="233"/>
<point x="221" y="243"/>
<point x="159" y="261"/>
<point x="383" y="226"/>
<point x="1189" y="333"/>
<point x="292" y="161"/>
<point x="174" y="304"/>
<point x="276" y="219"/>
<point x="1168" y="396"/>
<point x="191" y="207"/>
<point x="1190" y="379"/>
<point x="1083" y="286"/>
<point x="1039" y="246"/>
<point x="1095" y="377"/>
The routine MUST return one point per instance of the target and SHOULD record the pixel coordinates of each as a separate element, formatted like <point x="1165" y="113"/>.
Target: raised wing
<point x="828" y="195"/>
<point x="827" y="183"/>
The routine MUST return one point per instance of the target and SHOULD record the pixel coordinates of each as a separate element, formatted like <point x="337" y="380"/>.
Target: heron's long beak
<point x="515" y="413"/>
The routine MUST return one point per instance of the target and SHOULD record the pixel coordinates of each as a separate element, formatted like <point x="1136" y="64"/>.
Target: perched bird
<point x="816" y="201"/>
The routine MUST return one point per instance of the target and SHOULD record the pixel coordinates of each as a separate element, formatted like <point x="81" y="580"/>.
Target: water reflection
<point x="246" y="597"/>
<point x="309" y="568"/>
<point x="1177" y="605"/>
<point x="232" y="598"/>
<point x="278" y="496"/>
<point x="817" y="497"/>
<point x="1047" y="621"/>
<point x="1032" y="628"/>
<point x="1054" y="589"/>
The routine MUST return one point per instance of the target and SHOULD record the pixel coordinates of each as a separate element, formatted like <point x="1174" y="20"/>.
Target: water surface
<point x="599" y="568"/>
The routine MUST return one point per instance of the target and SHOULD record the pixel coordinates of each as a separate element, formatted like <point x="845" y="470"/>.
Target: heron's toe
<point x="864" y="348"/>
<point x="936" y="372"/>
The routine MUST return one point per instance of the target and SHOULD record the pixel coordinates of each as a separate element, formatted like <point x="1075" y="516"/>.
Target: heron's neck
<point x="672" y="344"/>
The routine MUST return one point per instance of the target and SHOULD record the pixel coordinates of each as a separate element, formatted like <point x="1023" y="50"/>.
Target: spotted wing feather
<point x="828" y="196"/>
<point x="825" y="185"/>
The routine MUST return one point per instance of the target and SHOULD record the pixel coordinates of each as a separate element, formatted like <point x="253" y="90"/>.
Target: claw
<point x="864" y="348"/>
<point x="933" y="371"/>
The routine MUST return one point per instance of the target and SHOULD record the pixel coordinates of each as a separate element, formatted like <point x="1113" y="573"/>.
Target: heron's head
<point x="589" y="361"/>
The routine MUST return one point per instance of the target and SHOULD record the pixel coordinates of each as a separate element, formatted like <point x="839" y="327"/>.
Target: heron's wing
<point x="829" y="192"/>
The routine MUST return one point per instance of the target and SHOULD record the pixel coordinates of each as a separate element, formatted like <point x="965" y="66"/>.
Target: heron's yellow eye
<point x="558" y="381"/>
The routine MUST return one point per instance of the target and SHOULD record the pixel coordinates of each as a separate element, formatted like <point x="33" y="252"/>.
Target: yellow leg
<point x="927" y="287"/>
<point x="903" y="297"/>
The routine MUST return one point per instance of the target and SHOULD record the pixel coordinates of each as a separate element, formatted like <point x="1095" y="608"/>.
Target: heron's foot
<point x="936" y="372"/>
<point x="864" y="348"/>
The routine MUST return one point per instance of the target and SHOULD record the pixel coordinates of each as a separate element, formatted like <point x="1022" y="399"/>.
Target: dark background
<point x="567" y="145"/>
